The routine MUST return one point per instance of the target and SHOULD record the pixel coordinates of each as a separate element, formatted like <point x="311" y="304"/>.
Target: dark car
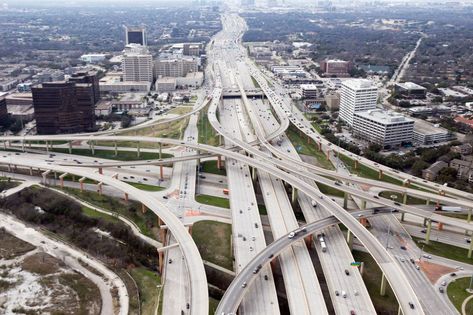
<point x="411" y="305"/>
<point x="347" y="272"/>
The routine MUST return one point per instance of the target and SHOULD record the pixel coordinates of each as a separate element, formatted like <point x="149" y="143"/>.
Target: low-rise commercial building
<point x="335" y="67"/>
<point x="165" y="84"/>
<point x="308" y="91"/>
<point x="114" y="84"/>
<point x="332" y="101"/>
<point x="410" y="90"/>
<point x="385" y="128"/>
<point x="463" y="149"/>
<point x="464" y="169"/>
<point x="192" y="79"/>
<point x="426" y="133"/>
<point x="103" y="108"/>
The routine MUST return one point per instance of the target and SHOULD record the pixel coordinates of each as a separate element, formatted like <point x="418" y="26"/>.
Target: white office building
<point x="356" y="95"/>
<point x="386" y="128"/>
<point x="137" y="64"/>
<point x="176" y="67"/>
<point x="426" y="133"/>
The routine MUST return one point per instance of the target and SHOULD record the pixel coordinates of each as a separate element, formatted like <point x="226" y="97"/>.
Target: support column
<point x="115" y="146"/>
<point x="99" y="188"/>
<point x="402" y="216"/>
<point x="31" y="171"/>
<point x="92" y="149"/>
<point x="380" y="176"/>
<point x="160" y="151"/>
<point x="161" y="172"/>
<point x="345" y="200"/>
<point x="309" y="241"/>
<point x="189" y="228"/>
<point x="81" y="182"/>
<point x="143" y="208"/>
<point x="126" y="197"/>
<point x="100" y="170"/>
<point x="138" y="149"/>
<point x="363" y="204"/>
<point x="253" y="174"/>
<point x="328" y="155"/>
<point x="470" y="250"/>
<point x="427" y="202"/>
<point x="404" y="198"/>
<point x="382" y="290"/>
<point x="319" y="145"/>
<point x="350" y="239"/>
<point x="468" y="220"/>
<point x="219" y="162"/>
<point x="161" y="263"/>
<point x="429" y="229"/>
<point x="356" y="164"/>
<point x="47" y="146"/>
<point x="294" y="195"/>
<point x="70" y="147"/>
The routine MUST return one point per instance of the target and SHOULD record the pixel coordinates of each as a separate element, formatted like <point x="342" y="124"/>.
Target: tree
<point x="418" y="167"/>
<point x="447" y="175"/>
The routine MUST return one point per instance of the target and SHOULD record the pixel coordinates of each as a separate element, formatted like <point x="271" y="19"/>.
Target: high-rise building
<point x="88" y="77"/>
<point x="356" y="95"/>
<point x="55" y="106"/>
<point x="178" y="67"/>
<point x="137" y="64"/>
<point x="3" y="110"/>
<point x="135" y="35"/>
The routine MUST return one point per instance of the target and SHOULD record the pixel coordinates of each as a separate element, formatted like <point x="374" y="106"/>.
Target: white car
<point x="291" y="235"/>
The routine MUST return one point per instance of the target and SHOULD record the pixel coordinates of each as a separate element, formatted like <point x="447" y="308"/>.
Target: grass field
<point x="213" y="239"/>
<point x="411" y="200"/>
<point x="213" y="201"/>
<point x="211" y="167"/>
<point x="309" y="149"/>
<point x="148" y="283"/>
<point x="364" y="171"/>
<point x="146" y="187"/>
<point x="11" y="247"/>
<point x="130" y="209"/>
<point x="457" y="293"/>
<point x="330" y="190"/>
<point x="444" y="250"/>
<point x="110" y="154"/>
<point x="372" y="277"/>
<point x="207" y="134"/>
<point x="180" y="110"/>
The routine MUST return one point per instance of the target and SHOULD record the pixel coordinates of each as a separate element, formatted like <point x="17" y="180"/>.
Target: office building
<point x="90" y="78"/>
<point x="385" y="128"/>
<point x="335" y="67"/>
<point x="410" y="90"/>
<point x="113" y="83"/>
<point x="356" y="95"/>
<point x="426" y="133"/>
<point x="332" y="101"/>
<point x="93" y="58"/>
<point x="55" y="106"/>
<point x="178" y="67"/>
<point x="3" y="110"/>
<point x="165" y="84"/>
<point x="135" y="35"/>
<point x="137" y="64"/>
<point x="308" y="91"/>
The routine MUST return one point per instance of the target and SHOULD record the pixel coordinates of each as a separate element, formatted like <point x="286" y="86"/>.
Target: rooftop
<point x="358" y="84"/>
<point x="424" y="127"/>
<point x="411" y="86"/>
<point x="384" y="117"/>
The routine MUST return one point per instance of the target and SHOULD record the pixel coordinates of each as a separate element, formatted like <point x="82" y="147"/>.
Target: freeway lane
<point x="237" y="288"/>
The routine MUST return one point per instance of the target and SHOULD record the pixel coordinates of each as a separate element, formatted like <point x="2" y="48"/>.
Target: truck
<point x="314" y="204"/>
<point x="226" y="191"/>
<point x="448" y="208"/>
<point x="322" y="243"/>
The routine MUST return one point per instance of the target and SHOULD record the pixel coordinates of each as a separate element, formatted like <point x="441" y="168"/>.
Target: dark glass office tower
<point x="135" y="35"/>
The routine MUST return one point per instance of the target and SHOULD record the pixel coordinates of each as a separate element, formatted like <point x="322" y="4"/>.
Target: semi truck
<point x="448" y="208"/>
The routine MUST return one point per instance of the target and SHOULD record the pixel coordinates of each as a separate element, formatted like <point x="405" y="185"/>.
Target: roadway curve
<point x="237" y="290"/>
<point x="394" y="275"/>
<point x="198" y="280"/>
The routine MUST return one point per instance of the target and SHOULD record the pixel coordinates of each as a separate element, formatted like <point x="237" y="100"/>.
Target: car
<point x="256" y="225"/>
<point x="344" y="294"/>
<point x="347" y="272"/>
<point x="337" y="293"/>
<point x="397" y="203"/>
<point x="417" y="267"/>
<point x="165" y="197"/>
<point x="444" y="283"/>
<point x="251" y="248"/>
<point x="411" y="305"/>
<point x="403" y="247"/>
<point x="253" y="238"/>
<point x="441" y="289"/>
<point x="468" y="240"/>
<point x="427" y="256"/>
<point x="291" y="235"/>
<point x="402" y="259"/>
<point x="255" y="271"/>
<point x="412" y="260"/>
<point x="453" y="274"/>
<point x="271" y="256"/>
<point x="423" y="231"/>
<point x="266" y="277"/>
<point x="375" y="197"/>
<point x="243" y="285"/>
<point x="352" y="312"/>
<point x="170" y="261"/>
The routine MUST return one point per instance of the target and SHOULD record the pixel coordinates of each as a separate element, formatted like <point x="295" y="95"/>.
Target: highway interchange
<point x="251" y="128"/>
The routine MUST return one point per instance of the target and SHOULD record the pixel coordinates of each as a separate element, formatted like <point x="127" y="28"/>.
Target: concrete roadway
<point x="338" y="259"/>
<point x="393" y="241"/>
<point x="238" y="288"/>
<point x="247" y="232"/>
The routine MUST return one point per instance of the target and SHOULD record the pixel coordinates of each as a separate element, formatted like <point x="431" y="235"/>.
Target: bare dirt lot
<point x="33" y="282"/>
